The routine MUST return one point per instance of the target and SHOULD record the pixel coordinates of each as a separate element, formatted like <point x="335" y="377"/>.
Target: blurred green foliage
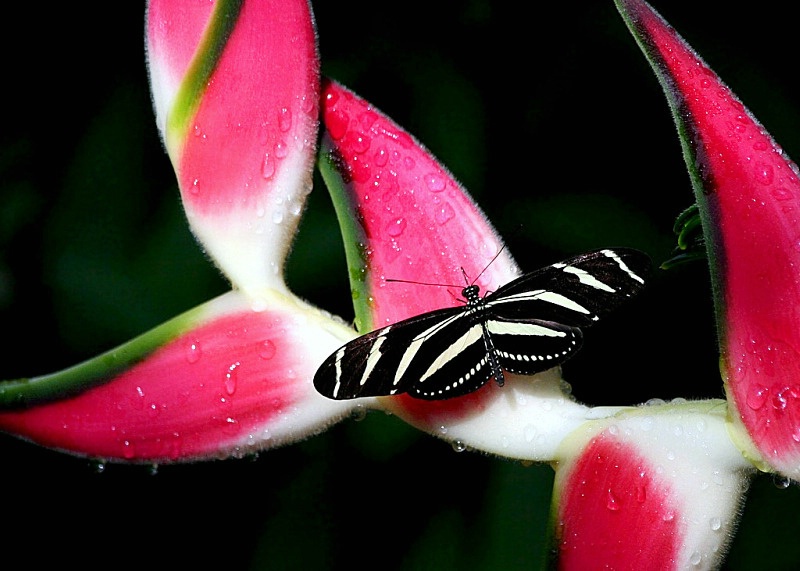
<point x="553" y="122"/>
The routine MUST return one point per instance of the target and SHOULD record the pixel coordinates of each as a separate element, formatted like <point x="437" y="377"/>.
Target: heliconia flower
<point x="235" y="89"/>
<point x="748" y="194"/>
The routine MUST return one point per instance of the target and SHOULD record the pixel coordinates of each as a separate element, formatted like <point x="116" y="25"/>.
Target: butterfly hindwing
<point x="527" y="347"/>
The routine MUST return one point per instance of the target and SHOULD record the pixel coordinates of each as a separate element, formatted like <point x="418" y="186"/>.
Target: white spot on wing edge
<point x="585" y="277"/>
<point x="613" y="255"/>
<point x="338" y="361"/>
<point x="373" y="357"/>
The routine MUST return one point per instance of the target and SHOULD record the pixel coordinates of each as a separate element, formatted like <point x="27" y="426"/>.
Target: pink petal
<point x="414" y="220"/>
<point x="241" y="136"/>
<point x="749" y="194"/>
<point x="652" y="488"/>
<point x="239" y="381"/>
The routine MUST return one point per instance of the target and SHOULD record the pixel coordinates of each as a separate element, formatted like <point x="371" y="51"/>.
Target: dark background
<point x="553" y="121"/>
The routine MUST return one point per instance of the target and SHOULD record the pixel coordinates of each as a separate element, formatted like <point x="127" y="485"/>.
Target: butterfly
<point x="528" y="325"/>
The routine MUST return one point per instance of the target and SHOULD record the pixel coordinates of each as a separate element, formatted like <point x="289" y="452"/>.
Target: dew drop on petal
<point x="757" y="396"/>
<point x="444" y="213"/>
<point x="781" y="193"/>
<point x="696" y="558"/>
<point x="459" y="446"/>
<point x="360" y="144"/>
<point x="128" y="450"/>
<point x="435" y="182"/>
<point x="284" y="119"/>
<point x="715" y="523"/>
<point x="268" y="166"/>
<point x="396" y="227"/>
<point x="764" y="173"/>
<point x="612" y="503"/>
<point x="267" y="350"/>
<point x="193" y="351"/>
<point x="381" y="157"/>
<point x="231" y="378"/>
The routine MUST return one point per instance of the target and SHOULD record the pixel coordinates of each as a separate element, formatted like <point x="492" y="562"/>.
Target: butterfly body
<point x="529" y="325"/>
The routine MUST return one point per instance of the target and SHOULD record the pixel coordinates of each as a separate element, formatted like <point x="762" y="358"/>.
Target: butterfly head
<point x="472" y="294"/>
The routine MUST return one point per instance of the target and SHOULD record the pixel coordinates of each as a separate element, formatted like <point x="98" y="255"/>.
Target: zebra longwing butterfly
<point x="527" y="326"/>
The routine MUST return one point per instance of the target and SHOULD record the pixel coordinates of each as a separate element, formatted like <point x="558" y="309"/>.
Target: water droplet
<point x="277" y="216"/>
<point x="459" y="446"/>
<point x="435" y="182"/>
<point x="128" y="450"/>
<point x="444" y="213"/>
<point x="696" y="558"/>
<point x="284" y="119"/>
<point x="781" y="482"/>
<point x="359" y="413"/>
<point x="442" y="429"/>
<point x="530" y="432"/>
<point x="360" y="144"/>
<point x="381" y="157"/>
<point x="195" y="189"/>
<point x="267" y="350"/>
<point x="268" y="166"/>
<point x="231" y="378"/>
<point x="612" y="503"/>
<point x="396" y="227"/>
<point x="781" y="193"/>
<point x="715" y="523"/>
<point x="281" y="150"/>
<point x="153" y="469"/>
<point x="780" y="399"/>
<point x="764" y="173"/>
<point x="757" y="396"/>
<point x="669" y="515"/>
<point x="98" y="466"/>
<point x="193" y="352"/>
<point x="336" y="122"/>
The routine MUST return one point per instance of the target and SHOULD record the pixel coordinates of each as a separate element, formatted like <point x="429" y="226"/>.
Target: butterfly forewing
<point x="527" y="326"/>
<point x="577" y="291"/>
<point x="384" y="361"/>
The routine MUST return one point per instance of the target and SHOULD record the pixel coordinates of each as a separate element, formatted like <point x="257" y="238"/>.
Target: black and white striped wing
<point x="577" y="291"/>
<point x="438" y="353"/>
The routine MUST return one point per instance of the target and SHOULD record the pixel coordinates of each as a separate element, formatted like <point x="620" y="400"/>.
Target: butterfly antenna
<point x="418" y="283"/>
<point x="497" y="255"/>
